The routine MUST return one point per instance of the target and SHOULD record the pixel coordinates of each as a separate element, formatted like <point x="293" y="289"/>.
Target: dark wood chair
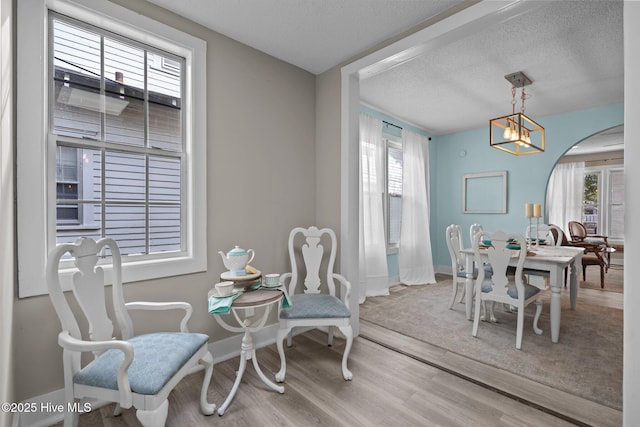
<point x="579" y="232"/>
<point x="593" y="257"/>
<point x="595" y="247"/>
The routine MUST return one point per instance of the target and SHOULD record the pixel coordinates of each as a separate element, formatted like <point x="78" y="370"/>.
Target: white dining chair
<point x="473" y="230"/>
<point x="502" y="287"/>
<point x="557" y="234"/>
<point x="459" y="273"/>
<point x="453" y="236"/>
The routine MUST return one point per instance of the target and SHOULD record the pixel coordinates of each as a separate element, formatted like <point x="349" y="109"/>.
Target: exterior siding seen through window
<point x="116" y="108"/>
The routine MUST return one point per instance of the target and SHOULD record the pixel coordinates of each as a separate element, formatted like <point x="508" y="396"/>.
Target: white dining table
<point x="553" y="259"/>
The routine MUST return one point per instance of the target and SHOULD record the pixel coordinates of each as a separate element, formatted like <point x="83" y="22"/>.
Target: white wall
<point x="631" y="374"/>
<point x="6" y="208"/>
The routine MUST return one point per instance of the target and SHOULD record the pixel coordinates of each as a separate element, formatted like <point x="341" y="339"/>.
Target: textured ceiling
<point x="314" y="35"/>
<point x="572" y="50"/>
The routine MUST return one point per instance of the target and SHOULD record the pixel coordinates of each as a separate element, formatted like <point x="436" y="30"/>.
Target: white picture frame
<point x="484" y="192"/>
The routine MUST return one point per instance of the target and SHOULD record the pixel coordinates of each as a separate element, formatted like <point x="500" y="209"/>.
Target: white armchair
<point x="318" y="305"/>
<point x="137" y="371"/>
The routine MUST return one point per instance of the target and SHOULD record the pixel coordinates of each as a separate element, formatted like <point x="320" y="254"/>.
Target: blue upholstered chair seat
<point x="463" y="274"/>
<point x="529" y="291"/>
<point x="157" y="357"/>
<point x="512" y="291"/>
<point x="488" y="272"/>
<point x="487" y="285"/>
<point x="311" y="306"/>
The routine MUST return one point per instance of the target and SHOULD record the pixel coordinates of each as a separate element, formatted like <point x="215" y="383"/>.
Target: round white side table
<point x="243" y="310"/>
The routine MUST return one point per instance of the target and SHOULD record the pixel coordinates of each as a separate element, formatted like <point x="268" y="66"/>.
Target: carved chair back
<point x="473" y="230"/>
<point x="453" y="235"/>
<point x="87" y="285"/>
<point x="309" y="256"/>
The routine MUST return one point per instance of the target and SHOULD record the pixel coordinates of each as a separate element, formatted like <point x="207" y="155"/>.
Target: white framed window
<point x="603" y="202"/>
<point x="111" y="138"/>
<point x="393" y="196"/>
<point x="615" y="219"/>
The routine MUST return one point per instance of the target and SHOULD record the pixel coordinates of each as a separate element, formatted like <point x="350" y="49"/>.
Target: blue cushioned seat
<point x="157" y="357"/>
<point x="488" y="272"/>
<point x="529" y="291"/>
<point x="512" y="291"/>
<point x="311" y="306"/>
<point x="487" y="283"/>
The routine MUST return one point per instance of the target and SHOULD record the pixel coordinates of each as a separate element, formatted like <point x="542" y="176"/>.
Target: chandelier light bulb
<point x="514" y="133"/>
<point x="507" y="133"/>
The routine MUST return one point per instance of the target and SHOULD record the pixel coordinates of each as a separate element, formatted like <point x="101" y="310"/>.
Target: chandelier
<point x="516" y="133"/>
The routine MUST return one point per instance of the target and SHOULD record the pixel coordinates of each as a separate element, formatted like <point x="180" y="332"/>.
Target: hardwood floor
<point x="388" y="389"/>
<point x="571" y="408"/>
<point x="415" y="384"/>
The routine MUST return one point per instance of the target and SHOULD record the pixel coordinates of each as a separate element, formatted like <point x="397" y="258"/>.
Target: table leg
<point x="468" y="284"/>
<point x="263" y="377"/>
<point x="234" y="389"/>
<point x="248" y="353"/>
<point x="554" y="310"/>
<point x="573" y="285"/>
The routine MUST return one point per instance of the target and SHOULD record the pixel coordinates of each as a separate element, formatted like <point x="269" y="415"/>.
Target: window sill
<point x="71" y="227"/>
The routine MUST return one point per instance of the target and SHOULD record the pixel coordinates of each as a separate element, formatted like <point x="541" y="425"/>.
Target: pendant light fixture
<point x="516" y="133"/>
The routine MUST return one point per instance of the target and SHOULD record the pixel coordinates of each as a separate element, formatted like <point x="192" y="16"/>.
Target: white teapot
<point x="236" y="260"/>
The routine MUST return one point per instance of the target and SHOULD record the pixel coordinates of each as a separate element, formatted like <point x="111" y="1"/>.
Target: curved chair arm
<point x="347" y="286"/>
<point x="284" y="277"/>
<point x="68" y="342"/>
<point x="154" y="306"/>
<point x="593" y="248"/>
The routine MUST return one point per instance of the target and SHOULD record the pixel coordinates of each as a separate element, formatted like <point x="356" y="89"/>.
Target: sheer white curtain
<point x="415" y="256"/>
<point x="565" y="193"/>
<point x="374" y="276"/>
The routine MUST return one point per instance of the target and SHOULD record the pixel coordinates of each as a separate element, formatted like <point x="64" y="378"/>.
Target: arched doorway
<point x="594" y="166"/>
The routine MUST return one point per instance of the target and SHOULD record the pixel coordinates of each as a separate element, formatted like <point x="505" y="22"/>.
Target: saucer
<point x="214" y="293"/>
<point x="264" y="285"/>
<point x="230" y="275"/>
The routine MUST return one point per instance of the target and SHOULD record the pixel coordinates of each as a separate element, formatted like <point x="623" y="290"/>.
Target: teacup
<point x="272" y="279"/>
<point x="224" y="289"/>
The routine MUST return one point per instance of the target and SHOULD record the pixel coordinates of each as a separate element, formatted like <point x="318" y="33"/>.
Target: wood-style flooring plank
<point x="573" y="407"/>
<point x="388" y="389"/>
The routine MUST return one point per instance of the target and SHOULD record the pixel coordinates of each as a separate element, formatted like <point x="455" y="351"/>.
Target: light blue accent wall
<point x="452" y="156"/>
